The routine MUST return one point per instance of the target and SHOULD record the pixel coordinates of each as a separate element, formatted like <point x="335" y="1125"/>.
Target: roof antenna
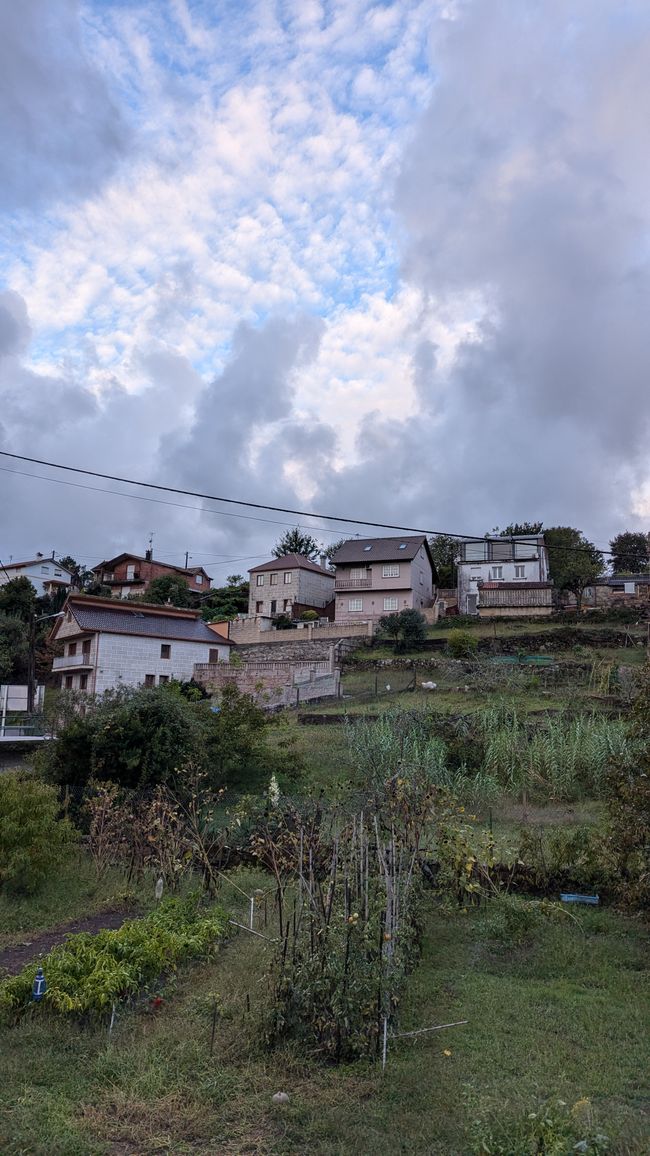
<point x="149" y="553"/>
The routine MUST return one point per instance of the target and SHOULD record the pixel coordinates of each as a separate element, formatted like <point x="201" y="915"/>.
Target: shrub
<point x="309" y="616"/>
<point x="88" y="973"/>
<point x="408" y="629"/>
<point x="461" y="644"/>
<point x="32" y="839"/>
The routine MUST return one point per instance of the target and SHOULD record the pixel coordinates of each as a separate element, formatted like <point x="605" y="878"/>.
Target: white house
<point x="518" y="566"/>
<point x="45" y="574"/>
<point x="107" y="644"/>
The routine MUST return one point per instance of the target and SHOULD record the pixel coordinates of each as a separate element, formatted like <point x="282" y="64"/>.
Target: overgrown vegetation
<point x="33" y="839"/>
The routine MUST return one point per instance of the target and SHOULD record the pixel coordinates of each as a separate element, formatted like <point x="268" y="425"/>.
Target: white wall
<point x="125" y="660"/>
<point x="470" y="573"/>
<point x="39" y="574"/>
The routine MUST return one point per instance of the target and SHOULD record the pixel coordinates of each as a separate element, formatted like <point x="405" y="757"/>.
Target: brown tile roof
<point x="109" y="563"/>
<point x="292" y="562"/>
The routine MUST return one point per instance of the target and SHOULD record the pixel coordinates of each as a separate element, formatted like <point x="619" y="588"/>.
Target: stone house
<point x="128" y="574"/>
<point x="45" y="574"/>
<point x="504" y="576"/>
<point x="289" y="585"/>
<point x="377" y="576"/>
<point x="629" y="590"/>
<point x="107" y="644"/>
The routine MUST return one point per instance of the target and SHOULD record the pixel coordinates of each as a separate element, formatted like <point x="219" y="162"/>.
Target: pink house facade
<point x="377" y="576"/>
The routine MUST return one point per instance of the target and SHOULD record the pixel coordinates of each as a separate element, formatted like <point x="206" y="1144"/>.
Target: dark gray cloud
<point x="60" y="133"/>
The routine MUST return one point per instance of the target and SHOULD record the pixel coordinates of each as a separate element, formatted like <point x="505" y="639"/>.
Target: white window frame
<point x="273" y="578"/>
<point x="496" y="574"/>
<point x="520" y="571"/>
<point x="288" y="577"/>
<point x="130" y="571"/>
<point x="390" y="603"/>
<point x="259" y="581"/>
<point x="355" y="605"/>
<point x="357" y="573"/>
<point x="198" y="578"/>
<point x="390" y="570"/>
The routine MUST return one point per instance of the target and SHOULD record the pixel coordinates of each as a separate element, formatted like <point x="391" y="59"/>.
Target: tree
<point x="295" y="542"/>
<point x="33" y="840"/>
<point x="574" y="562"/>
<point x="82" y="578"/>
<point x="235" y="579"/>
<point x="445" y="550"/>
<point x="408" y="629"/>
<point x="519" y="530"/>
<point x="14" y="645"/>
<point x="226" y="601"/>
<point x="169" y="588"/>
<point x="330" y="551"/>
<point x="18" y="599"/>
<point x="630" y="553"/>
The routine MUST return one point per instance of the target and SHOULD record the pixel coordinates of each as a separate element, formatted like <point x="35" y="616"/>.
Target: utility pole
<point x="187" y="559"/>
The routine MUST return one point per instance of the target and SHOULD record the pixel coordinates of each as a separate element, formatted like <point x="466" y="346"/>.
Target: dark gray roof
<point x="380" y="549"/>
<point x="292" y="562"/>
<point x="132" y="620"/>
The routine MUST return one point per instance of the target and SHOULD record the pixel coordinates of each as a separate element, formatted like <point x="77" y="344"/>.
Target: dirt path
<point x="17" y="955"/>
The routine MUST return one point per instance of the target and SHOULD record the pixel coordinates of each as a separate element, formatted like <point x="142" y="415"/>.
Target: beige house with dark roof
<point x="377" y="576"/>
<point x="284" y="584"/>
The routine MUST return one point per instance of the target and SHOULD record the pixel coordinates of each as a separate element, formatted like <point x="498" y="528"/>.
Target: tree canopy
<point x="226" y="601"/>
<point x="574" y="562"/>
<point x="630" y="553"/>
<point x="519" y="529"/>
<point x="169" y="588"/>
<point x="445" y="549"/>
<point x="295" y="542"/>
<point x="407" y="629"/>
<point x="18" y="599"/>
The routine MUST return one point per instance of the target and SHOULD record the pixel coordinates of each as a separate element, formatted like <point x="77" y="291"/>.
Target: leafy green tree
<point x="445" y="550"/>
<point x="18" y="599"/>
<point x="13" y="649"/>
<point x="407" y="629"/>
<point x="574" y="562"/>
<point x="33" y="840"/>
<point x="519" y="530"/>
<point x="226" y="601"/>
<point x="169" y="588"/>
<point x="295" y="542"/>
<point x="630" y="553"/>
<point x="82" y="578"/>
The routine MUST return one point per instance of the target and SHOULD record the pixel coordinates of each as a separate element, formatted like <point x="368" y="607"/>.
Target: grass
<point x="71" y="892"/>
<point x="562" y="1016"/>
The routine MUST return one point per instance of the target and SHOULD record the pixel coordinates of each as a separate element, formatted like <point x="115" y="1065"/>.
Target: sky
<point x="386" y="261"/>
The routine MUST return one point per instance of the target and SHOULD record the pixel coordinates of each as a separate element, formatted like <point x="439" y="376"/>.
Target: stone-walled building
<point x="107" y="644"/>
<point x="289" y="585"/>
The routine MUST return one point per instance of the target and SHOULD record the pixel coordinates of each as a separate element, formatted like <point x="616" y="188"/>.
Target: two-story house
<point x="128" y="574"/>
<point x="377" y="576"/>
<point x="107" y="643"/>
<point x="289" y="585"/>
<point x="504" y="577"/>
<point x="45" y="574"/>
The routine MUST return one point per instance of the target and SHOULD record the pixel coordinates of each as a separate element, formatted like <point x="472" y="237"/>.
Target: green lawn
<point x="561" y="1017"/>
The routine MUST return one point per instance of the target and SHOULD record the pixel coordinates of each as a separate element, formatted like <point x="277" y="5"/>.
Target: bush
<point x="513" y="921"/>
<point x="88" y="973"/>
<point x="461" y="644"/>
<point x="309" y="616"/>
<point x="33" y="840"/>
<point x="408" y="629"/>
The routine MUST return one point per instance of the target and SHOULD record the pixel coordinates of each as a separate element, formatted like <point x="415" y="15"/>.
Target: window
<point x="68" y="681"/>
<point x="390" y="604"/>
<point x="259" y="606"/>
<point x="286" y="604"/>
<point x="274" y="606"/>
<point x="85" y="648"/>
<point x="497" y="573"/>
<point x="45" y="569"/>
<point x="57" y="574"/>
<point x="213" y="655"/>
<point x="474" y="551"/>
<point x="355" y="604"/>
<point x="287" y="577"/>
<point x="358" y="572"/>
<point x="83" y="681"/>
<point x="366" y="548"/>
<point x="390" y="570"/>
<point x="198" y="578"/>
<point x="526" y="549"/>
<point x="72" y="648"/>
<point x="162" y="679"/>
<point x="402" y="545"/>
<point x="149" y="680"/>
<point x="260" y="580"/>
<point x="520" y="571"/>
<point x="130" y="573"/>
<point x="165" y="650"/>
<point x="501" y="551"/>
<point x="273" y="579"/>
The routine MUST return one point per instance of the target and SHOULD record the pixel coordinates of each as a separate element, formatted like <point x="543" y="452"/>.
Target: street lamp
<point x="31" y="657"/>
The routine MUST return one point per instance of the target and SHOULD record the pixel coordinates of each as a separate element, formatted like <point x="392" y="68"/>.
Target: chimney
<point x="323" y="561"/>
<point x="148" y="554"/>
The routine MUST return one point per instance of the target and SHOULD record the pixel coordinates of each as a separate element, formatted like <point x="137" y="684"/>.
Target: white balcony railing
<point x="73" y="662"/>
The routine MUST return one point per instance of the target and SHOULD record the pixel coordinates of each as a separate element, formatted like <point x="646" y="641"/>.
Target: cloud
<point x="60" y="133"/>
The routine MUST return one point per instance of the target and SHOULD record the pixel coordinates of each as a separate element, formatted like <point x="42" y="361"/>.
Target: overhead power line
<point x="243" y="502"/>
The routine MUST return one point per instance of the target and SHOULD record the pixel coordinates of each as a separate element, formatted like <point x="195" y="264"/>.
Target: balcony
<point x="73" y="662"/>
<point x="353" y="584"/>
